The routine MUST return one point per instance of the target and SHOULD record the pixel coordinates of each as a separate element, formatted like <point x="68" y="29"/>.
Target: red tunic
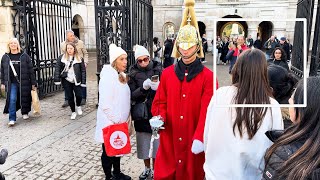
<point x="183" y="105"/>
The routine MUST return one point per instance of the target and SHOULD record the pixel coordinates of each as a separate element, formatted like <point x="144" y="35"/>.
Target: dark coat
<point x="138" y="94"/>
<point x="250" y="42"/>
<point x="224" y="50"/>
<point x="257" y="44"/>
<point x="270" y="46"/>
<point x="26" y="79"/>
<point x="168" y="60"/>
<point x="281" y="63"/>
<point x="79" y="71"/>
<point x="282" y="154"/>
<point x="286" y="49"/>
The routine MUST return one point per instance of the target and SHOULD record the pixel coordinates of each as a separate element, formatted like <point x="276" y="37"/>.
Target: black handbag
<point x="139" y="111"/>
<point x="64" y="74"/>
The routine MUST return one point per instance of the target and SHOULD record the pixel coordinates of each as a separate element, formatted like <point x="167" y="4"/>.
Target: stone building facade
<point x="167" y="16"/>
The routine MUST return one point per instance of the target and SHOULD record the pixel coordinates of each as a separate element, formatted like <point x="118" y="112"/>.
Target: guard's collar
<point x="190" y="70"/>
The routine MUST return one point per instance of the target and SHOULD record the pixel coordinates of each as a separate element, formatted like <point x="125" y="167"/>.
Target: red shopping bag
<point x="116" y="139"/>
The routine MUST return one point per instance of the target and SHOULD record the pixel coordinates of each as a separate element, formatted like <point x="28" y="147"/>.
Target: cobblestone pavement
<point x="54" y="147"/>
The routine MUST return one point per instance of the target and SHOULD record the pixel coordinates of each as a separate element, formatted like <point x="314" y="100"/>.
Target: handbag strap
<point x="70" y="64"/>
<point x="13" y="70"/>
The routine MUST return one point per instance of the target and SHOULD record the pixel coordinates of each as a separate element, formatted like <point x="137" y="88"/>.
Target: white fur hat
<point x="140" y="51"/>
<point x="115" y="52"/>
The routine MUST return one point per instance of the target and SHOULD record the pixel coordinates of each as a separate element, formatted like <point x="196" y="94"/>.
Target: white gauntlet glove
<point x="146" y="84"/>
<point x="197" y="147"/>
<point x="154" y="85"/>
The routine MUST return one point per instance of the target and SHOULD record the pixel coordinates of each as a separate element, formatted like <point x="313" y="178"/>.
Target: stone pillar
<point x="90" y="26"/>
<point x="252" y="29"/>
<point x="6" y="27"/>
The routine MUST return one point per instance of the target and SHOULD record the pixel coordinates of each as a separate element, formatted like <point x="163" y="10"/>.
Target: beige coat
<point x="82" y="52"/>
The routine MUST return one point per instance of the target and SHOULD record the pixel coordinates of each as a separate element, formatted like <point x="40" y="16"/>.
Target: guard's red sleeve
<point x="205" y="100"/>
<point x="159" y="104"/>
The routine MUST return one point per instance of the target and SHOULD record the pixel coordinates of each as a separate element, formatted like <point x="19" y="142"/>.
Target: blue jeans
<point x="13" y="102"/>
<point x="267" y="57"/>
<point x="232" y="62"/>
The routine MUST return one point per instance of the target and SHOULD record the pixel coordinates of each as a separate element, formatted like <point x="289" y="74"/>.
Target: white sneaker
<point x="25" y="116"/>
<point x="11" y="123"/>
<point x="79" y="110"/>
<point x="73" y="116"/>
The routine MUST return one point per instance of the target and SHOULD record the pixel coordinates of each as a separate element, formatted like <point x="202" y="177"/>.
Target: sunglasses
<point x="143" y="60"/>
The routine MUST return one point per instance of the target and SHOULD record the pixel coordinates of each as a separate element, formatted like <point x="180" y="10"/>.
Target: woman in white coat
<point x="234" y="138"/>
<point x="114" y="105"/>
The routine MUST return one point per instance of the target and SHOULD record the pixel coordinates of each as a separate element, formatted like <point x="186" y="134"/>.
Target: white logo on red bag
<point x="269" y="174"/>
<point x="118" y="140"/>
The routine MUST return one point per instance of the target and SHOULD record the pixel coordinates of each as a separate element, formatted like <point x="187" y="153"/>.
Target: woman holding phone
<point x="143" y="83"/>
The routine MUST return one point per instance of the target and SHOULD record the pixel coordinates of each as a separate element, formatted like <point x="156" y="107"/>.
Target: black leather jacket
<point x="282" y="154"/>
<point x="79" y="71"/>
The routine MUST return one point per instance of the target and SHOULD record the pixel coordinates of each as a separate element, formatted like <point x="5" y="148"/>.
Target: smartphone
<point x="155" y="78"/>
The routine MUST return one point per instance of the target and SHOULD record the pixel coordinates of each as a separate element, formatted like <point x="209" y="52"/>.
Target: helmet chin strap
<point x="187" y="57"/>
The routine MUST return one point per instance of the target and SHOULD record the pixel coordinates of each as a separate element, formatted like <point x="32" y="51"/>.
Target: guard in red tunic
<point x="181" y="100"/>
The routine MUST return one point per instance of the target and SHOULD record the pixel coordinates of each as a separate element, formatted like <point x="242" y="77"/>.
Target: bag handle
<point x="14" y="71"/>
<point x="70" y="64"/>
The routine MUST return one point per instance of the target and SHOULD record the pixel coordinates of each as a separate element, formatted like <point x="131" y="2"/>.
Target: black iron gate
<point x="305" y="9"/>
<point x="114" y="25"/>
<point x="40" y="27"/>
<point x="142" y="24"/>
<point x="315" y="54"/>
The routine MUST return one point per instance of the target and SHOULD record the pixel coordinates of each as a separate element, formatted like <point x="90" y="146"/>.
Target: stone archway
<point x="202" y="28"/>
<point x="78" y="26"/>
<point x="265" y="30"/>
<point x="168" y="31"/>
<point x="230" y="27"/>
<point x="221" y="25"/>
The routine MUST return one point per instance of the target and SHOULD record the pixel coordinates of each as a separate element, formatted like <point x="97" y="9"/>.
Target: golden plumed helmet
<point x="188" y="34"/>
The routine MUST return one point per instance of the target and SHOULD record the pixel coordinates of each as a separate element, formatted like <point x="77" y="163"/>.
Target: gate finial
<point x="188" y="34"/>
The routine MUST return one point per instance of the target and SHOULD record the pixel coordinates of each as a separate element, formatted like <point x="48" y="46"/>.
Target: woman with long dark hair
<point x="283" y="83"/>
<point x="295" y="154"/>
<point x="279" y="57"/>
<point x="236" y="135"/>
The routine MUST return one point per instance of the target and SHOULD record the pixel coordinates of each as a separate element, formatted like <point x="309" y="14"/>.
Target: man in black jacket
<point x="285" y="46"/>
<point x="258" y="43"/>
